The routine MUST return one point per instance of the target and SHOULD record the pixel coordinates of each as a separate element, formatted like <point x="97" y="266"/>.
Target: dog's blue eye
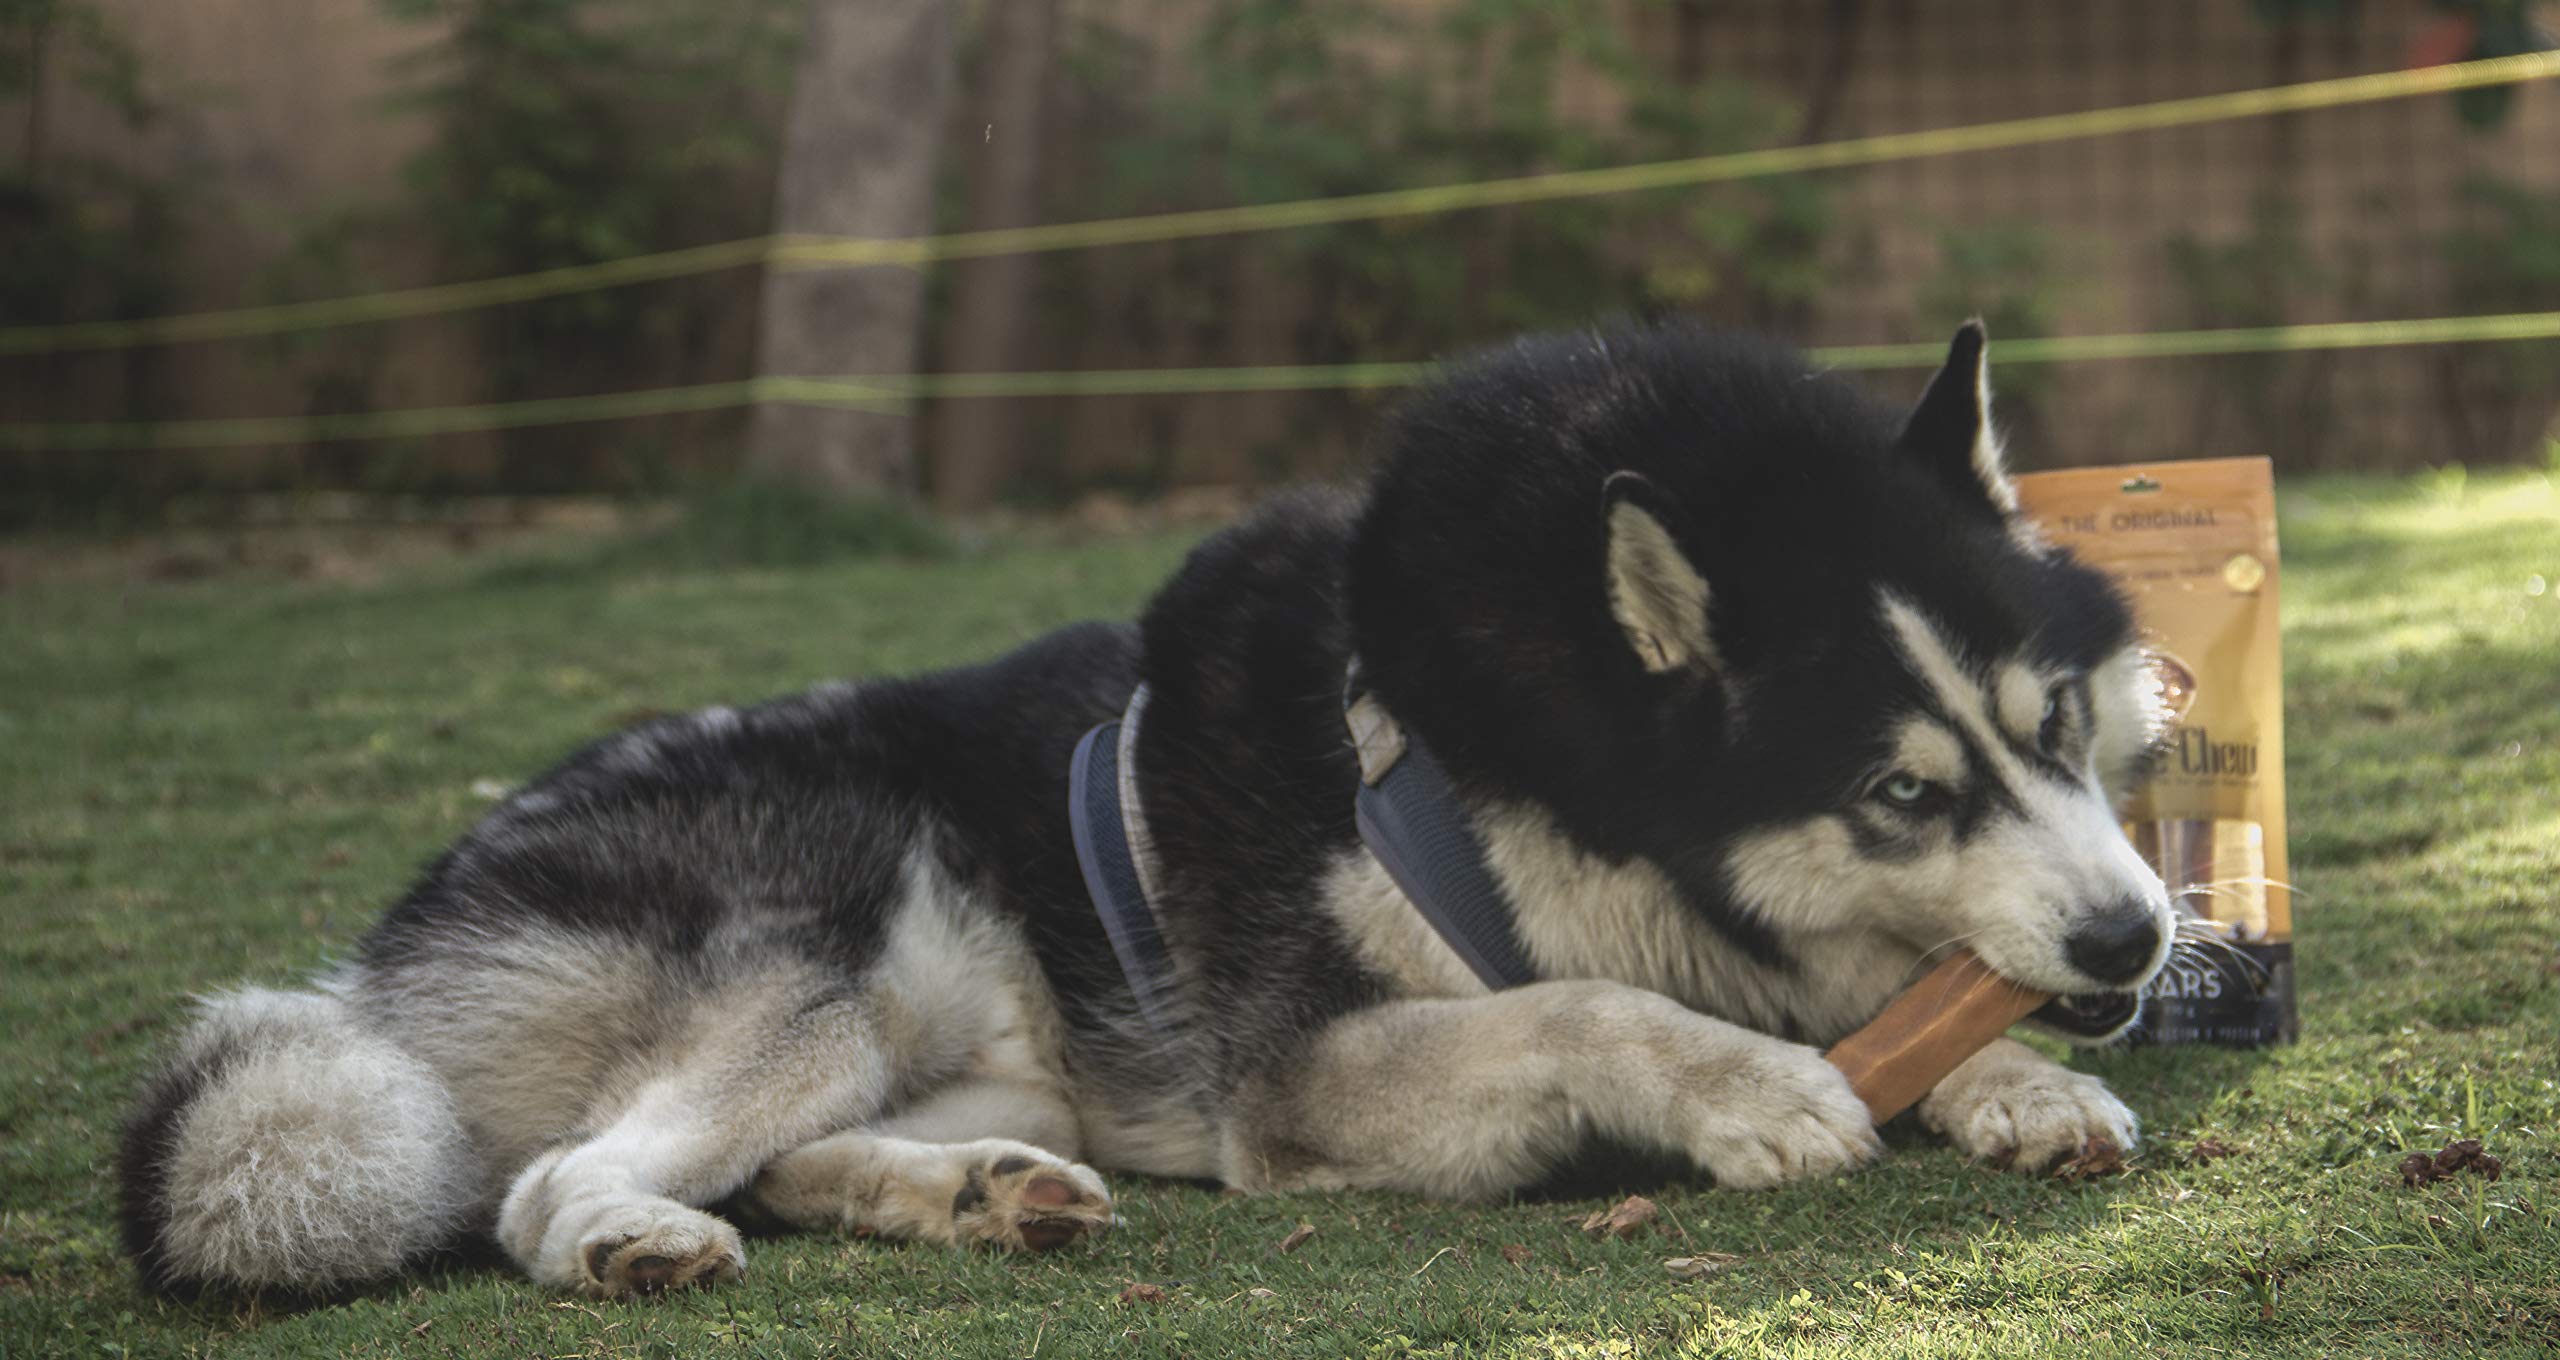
<point x="2049" y="727"/>
<point x="1904" y="790"/>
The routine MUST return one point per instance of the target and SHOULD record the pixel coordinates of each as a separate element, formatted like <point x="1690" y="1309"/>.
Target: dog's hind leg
<point x="618" y="1213"/>
<point x="993" y="1192"/>
<point x="986" y="1161"/>
<point x="1468" y="1098"/>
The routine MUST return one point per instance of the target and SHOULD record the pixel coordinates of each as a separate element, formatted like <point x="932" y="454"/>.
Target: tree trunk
<point x="39" y="47"/>
<point x="979" y="442"/>
<point x="857" y="160"/>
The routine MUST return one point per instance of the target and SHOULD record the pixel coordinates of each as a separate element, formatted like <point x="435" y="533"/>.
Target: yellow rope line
<point x="398" y="304"/>
<point x="893" y="392"/>
<point x="229" y="432"/>
<point x="807" y="252"/>
<point x="1855" y="151"/>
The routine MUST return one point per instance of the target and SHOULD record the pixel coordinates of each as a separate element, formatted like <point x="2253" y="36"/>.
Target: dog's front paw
<point x="2026" y="1115"/>
<point x="1784" y="1114"/>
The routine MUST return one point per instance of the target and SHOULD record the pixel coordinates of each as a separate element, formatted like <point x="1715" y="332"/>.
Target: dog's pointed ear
<point x="1950" y="430"/>
<point x="1655" y="592"/>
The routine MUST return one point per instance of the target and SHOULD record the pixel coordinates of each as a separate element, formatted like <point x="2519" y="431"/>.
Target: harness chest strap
<point x="1412" y="821"/>
<point x="1113" y="850"/>
<point x="1408" y="816"/>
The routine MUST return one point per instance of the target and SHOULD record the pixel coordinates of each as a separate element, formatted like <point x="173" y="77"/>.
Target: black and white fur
<point x="1759" y="696"/>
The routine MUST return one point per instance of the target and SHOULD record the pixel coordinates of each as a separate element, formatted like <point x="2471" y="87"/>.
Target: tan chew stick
<point x="1925" y="1033"/>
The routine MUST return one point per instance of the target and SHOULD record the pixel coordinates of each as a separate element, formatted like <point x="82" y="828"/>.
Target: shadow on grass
<point x="476" y="1259"/>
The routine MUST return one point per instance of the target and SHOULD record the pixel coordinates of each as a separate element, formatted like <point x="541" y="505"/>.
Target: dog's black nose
<point x="2114" y="945"/>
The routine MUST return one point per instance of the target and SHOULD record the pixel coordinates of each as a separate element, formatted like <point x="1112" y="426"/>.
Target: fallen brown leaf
<point x="1142" y="1292"/>
<point x="1623" y="1220"/>
<point x="1516" y="1254"/>
<point x="2096" y="1157"/>
<point x="1298" y="1237"/>
<point x="2462" y="1154"/>
<point x="1700" y="1266"/>
<point x="2207" y="1151"/>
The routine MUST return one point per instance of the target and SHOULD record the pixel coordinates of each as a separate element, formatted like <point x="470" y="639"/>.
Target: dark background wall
<point x="283" y="141"/>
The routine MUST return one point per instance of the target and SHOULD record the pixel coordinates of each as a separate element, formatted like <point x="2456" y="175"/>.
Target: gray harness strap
<point x="1412" y="821"/>
<point x="1408" y="815"/>
<point x="1110" y="829"/>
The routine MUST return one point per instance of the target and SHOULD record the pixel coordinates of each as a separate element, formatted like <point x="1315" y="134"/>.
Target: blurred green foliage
<point x="2255" y="278"/>
<point x="1292" y="99"/>
<point x="2499" y="28"/>
<point x="1316" y="98"/>
<point x="2014" y="276"/>
<point x="79" y="237"/>
<point x="573" y="131"/>
<point x="2007" y="273"/>
<point x="2503" y="255"/>
<point x="2265" y="275"/>
<point x="2486" y="28"/>
<point x="77" y="39"/>
<point x="565" y="132"/>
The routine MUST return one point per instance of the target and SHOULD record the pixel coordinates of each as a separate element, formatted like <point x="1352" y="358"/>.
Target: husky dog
<point x="1757" y="697"/>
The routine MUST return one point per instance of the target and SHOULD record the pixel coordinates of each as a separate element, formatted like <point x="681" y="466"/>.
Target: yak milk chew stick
<point x="1925" y="1033"/>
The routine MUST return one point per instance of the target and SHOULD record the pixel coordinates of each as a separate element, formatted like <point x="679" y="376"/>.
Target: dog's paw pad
<point x="1027" y="1200"/>
<point x="1050" y="1192"/>
<point x="652" y="1274"/>
<point x="670" y="1248"/>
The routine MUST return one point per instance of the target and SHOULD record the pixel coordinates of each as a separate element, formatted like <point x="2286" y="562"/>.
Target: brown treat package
<point x="2194" y="545"/>
<point x="1925" y="1033"/>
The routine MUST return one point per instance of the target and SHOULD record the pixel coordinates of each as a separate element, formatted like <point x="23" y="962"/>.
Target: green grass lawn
<point x="208" y="782"/>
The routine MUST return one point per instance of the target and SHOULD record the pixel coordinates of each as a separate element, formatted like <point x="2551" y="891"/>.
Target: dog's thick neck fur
<point x="1582" y="910"/>
<point x="1583" y="916"/>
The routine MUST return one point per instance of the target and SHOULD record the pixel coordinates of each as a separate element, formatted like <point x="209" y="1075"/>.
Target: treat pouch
<point x="2194" y="545"/>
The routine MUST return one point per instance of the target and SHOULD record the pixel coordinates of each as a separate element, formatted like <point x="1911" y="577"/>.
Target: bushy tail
<point x="288" y="1147"/>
